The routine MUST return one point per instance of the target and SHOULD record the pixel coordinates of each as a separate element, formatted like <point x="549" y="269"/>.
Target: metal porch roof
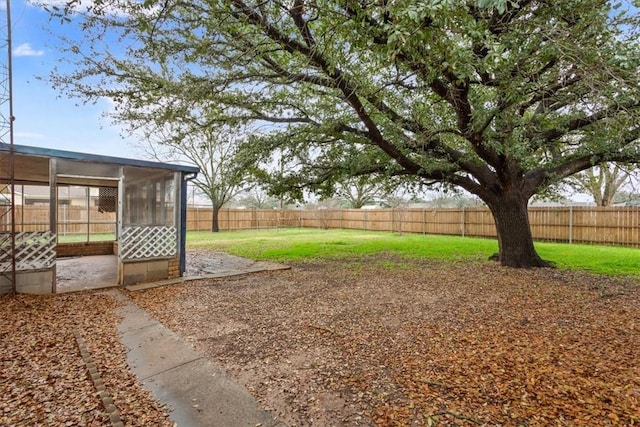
<point x="72" y="155"/>
<point x="32" y="165"/>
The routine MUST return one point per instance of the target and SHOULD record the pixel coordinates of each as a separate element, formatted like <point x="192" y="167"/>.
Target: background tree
<point x="454" y="199"/>
<point x="257" y="199"/>
<point x="326" y="211"/>
<point x="500" y="97"/>
<point x="361" y="190"/>
<point x="605" y="183"/>
<point x="399" y="201"/>
<point x="223" y="168"/>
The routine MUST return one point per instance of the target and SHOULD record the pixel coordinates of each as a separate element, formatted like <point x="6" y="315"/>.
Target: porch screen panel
<point x="73" y="213"/>
<point x="149" y="228"/>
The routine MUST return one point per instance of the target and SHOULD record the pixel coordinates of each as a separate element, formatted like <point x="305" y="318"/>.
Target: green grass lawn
<point x="298" y="244"/>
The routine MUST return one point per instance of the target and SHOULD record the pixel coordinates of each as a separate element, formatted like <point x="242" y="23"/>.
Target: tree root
<point x="536" y="263"/>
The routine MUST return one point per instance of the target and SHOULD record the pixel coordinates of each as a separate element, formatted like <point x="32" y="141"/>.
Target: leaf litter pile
<point x="383" y="341"/>
<point x="43" y="377"/>
<point x="371" y="341"/>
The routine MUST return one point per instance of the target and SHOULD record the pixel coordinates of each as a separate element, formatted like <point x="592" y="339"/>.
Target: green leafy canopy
<point x="481" y="94"/>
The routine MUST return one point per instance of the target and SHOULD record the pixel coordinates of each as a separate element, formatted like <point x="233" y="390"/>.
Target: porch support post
<point x="182" y="221"/>
<point x="120" y="207"/>
<point x="119" y="224"/>
<point x="53" y="210"/>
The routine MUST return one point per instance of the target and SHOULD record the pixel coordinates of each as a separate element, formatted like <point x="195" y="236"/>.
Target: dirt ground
<point x="386" y="341"/>
<point x="360" y="342"/>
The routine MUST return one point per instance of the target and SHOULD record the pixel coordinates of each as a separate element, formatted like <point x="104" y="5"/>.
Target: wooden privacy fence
<point x="71" y="220"/>
<point x="617" y="225"/>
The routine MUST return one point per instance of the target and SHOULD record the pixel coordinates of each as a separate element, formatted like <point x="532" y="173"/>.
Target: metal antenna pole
<point x="8" y="243"/>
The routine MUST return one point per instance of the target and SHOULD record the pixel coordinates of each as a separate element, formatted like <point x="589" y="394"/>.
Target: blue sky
<point x="44" y="116"/>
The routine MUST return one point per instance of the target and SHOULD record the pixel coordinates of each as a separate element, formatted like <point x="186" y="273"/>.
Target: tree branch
<point x="581" y="122"/>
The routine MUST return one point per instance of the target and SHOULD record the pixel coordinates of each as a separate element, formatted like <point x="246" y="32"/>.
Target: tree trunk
<point x="515" y="241"/>
<point x="215" y="225"/>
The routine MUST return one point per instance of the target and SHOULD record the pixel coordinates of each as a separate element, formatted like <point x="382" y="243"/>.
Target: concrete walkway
<point x="214" y="266"/>
<point x="196" y="392"/>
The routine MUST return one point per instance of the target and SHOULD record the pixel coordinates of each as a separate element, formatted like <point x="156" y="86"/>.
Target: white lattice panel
<point x="34" y="250"/>
<point x="148" y="242"/>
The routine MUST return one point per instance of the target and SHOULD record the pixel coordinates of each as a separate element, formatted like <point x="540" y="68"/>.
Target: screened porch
<point x="69" y="205"/>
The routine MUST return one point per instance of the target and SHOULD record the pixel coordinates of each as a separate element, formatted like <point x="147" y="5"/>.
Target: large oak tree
<point x="500" y="97"/>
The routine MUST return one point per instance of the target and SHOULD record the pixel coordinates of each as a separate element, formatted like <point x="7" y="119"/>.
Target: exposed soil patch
<point x="387" y="341"/>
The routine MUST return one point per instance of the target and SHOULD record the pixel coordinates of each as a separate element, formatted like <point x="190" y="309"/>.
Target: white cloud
<point x="25" y="49"/>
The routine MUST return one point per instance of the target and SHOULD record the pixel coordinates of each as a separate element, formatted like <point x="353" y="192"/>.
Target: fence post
<point x="365" y="220"/>
<point x="462" y="221"/>
<point x="392" y="220"/>
<point x="570" y="224"/>
<point x="424" y="221"/>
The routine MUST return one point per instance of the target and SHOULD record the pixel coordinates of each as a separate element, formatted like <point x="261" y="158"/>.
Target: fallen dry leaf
<point x="355" y="342"/>
<point x="351" y="343"/>
<point x="43" y="378"/>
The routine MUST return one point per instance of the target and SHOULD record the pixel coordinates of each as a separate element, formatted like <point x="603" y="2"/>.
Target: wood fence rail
<point x="614" y="226"/>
